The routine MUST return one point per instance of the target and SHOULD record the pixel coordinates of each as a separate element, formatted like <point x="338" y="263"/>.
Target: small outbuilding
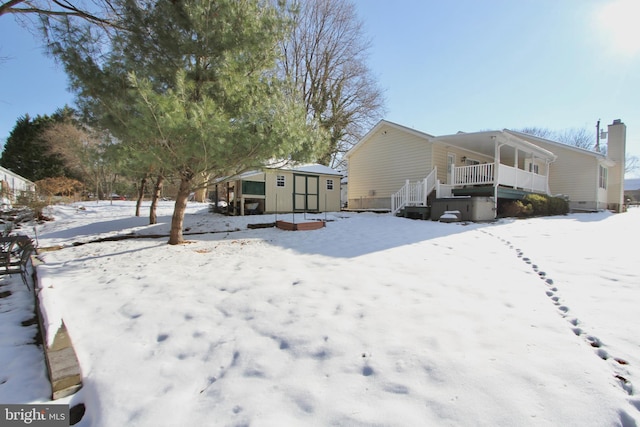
<point x="13" y="186"/>
<point x="305" y="188"/>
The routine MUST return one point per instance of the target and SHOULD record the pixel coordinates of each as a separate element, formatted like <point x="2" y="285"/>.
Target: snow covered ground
<point x="371" y="321"/>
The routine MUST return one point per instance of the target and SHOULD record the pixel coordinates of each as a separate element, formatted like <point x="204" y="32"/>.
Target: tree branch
<point x="66" y="9"/>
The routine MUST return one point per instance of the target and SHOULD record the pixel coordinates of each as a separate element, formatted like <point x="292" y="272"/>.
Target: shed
<point x="304" y="188"/>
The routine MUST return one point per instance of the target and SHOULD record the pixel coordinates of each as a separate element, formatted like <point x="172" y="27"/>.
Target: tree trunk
<point x="157" y="191"/>
<point x="201" y="193"/>
<point x="175" y="237"/>
<point x="143" y="184"/>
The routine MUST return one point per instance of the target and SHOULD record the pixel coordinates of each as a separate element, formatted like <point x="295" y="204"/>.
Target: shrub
<point x="32" y="202"/>
<point x="538" y="202"/>
<point x="558" y="206"/>
<point x="515" y="208"/>
<point x="534" y="204"/>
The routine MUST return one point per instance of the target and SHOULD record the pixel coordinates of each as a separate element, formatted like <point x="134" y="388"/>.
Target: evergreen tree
<point x="192" y="88"/>
<point x="27" y="154"/>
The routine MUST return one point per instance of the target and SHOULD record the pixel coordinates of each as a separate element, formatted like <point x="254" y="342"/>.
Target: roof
<point x="313" y="168"/>
<point x="381" y="124"/>
<point x="484" y="143"/>
<point x="535" y="139"/>
<point x="5" y="171"/>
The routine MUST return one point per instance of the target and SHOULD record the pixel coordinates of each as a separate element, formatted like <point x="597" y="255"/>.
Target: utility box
<point x="470" y="208"/>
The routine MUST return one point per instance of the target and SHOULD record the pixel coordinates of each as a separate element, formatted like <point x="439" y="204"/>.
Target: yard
<point x="373" y="320"/>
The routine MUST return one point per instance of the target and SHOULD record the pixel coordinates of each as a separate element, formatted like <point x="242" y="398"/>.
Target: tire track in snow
<point x="617" y="364"/>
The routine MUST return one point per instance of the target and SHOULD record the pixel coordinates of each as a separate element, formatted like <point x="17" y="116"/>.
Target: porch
<point x="510" y="168"/>
<point x="496" y="175"/>
<point x="489" y="179"/>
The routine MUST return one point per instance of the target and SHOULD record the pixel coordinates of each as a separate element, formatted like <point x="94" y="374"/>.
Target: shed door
<point x="305" y="193"/>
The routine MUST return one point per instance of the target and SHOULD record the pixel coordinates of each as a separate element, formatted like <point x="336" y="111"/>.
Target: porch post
<point x="546" y="177"/>
<point x="407" y="192"/>
<point x="532" y="173"/>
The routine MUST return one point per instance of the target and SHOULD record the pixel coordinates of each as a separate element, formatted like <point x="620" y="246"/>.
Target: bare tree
<point x="98" y="12"/>
<point x="631" y="164"/>
<point x="577" y="137"/>
<point x="581" y="138"/>
<point x="82" y="150"/>
<point x="326" y="59"/>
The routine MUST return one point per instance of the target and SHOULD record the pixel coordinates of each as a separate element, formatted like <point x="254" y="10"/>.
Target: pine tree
<point x="192" y="87"/>
<point x="27" y="154"/>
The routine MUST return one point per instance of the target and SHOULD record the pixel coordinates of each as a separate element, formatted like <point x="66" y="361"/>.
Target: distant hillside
<point x="632" y="184"/>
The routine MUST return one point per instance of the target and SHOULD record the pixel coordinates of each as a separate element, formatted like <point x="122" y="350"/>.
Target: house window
<point x="280" y="181"/>
<point x="603" y="177"/>
<point x="533" y="168"/>
<point x="329" y="184"/>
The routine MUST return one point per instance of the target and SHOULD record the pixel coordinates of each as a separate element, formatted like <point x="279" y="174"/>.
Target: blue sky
<point x="445" y="66"/>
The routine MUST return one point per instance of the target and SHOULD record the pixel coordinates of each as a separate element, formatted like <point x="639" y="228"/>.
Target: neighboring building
<point x="13" y="185"/>
<point x="307" y="188"/>
<point x="394" y="166"/>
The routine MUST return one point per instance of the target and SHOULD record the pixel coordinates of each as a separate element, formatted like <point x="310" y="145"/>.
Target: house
<point x="306" y="188"/>
<point x="394" y="167"/>
<point x="13" y="186"/>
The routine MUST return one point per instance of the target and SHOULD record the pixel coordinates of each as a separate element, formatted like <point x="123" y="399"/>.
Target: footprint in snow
<point x="594" y="342"/>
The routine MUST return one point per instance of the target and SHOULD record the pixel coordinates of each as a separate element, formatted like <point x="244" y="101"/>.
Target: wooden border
<point x="300" y="226"/>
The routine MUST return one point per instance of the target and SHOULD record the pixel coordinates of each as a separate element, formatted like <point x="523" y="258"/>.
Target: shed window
<point x="603" y="177"/>
<point x="253" y="187"/>
<point x="329" y="184"/>
<point x="280" y="181"/>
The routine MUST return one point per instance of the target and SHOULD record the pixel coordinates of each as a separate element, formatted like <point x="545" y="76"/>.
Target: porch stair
<point x="414" y="194"/>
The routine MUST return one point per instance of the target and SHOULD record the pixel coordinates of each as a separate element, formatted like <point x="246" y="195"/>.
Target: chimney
<point x="616" y="151"/>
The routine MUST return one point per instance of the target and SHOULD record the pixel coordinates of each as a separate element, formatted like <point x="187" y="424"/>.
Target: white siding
<point x="278" y="199"/>
<point x="383" y="163"/>
<point x="574" y="174"/>
<point x="13" y="185"/>
<point x="440" y="152"/>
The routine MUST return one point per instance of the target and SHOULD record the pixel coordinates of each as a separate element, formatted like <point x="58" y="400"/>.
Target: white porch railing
<point x="474" y="174"/>
<point x="518" y="178"/>
<point x="507" y="175"/>
<point x="414" y="194"/>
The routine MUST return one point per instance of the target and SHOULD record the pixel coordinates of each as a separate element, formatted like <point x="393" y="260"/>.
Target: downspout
<point x="515" y="166"/>
<point x="496" y="178"/>
<point x="547" y="176"/>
